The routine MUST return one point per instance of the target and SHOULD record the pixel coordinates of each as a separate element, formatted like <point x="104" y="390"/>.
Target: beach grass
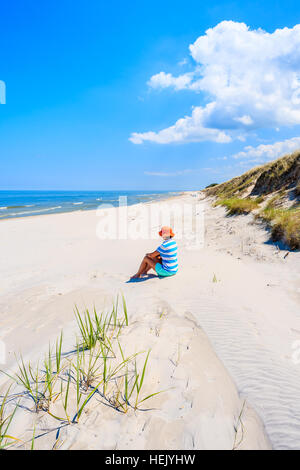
<point x="64" y="392"/>
<point x="89" y="333"/>
<point x="236" y="206"/>
<point x="100" y="327"/>
<point x="280" y="174"/>
<point x="284" y="225"/>
<point x="93" y="368"/>
<point x="29" y="378"/>
<point x="5" y="421"/>
<point x="237" y="427"/>
<point x="276" y="183"/>
<point x="284" y="222"/>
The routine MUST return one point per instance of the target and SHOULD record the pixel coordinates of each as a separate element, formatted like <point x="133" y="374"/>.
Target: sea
<point x="29" y="203"/>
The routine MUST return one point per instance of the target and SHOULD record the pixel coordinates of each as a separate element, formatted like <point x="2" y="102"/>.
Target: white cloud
<point x="247" y="120"/>
<point x="165" y="80"/>
<point x="188" y="129"/>
<point x="183" y="62"/>
<point x="250" y="78"/>
<point x="176" y="173"/>
<point x="265" y="152"/>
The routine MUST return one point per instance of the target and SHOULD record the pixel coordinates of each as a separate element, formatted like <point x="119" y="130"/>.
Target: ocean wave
<point x="16" y="207"/>
<point x="38" y="211"/>
<point x="34" y="207"/>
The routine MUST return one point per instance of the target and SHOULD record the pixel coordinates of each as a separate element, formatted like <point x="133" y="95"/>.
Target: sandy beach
<point x="150" y="229"/>
<point x="223" y="332"/>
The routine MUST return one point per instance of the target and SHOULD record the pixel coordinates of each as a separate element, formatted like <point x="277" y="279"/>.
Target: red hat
<point x="166" y="231"/>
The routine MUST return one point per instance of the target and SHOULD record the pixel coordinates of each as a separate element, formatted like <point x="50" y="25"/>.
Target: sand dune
<point x="237" y="297"/>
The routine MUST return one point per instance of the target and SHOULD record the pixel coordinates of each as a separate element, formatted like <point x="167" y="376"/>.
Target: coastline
<point x="71" y="206"/>
<point x="50" y="264"/>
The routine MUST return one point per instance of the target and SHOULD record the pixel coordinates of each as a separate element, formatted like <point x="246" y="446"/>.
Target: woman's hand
<point x="153" y="255"/>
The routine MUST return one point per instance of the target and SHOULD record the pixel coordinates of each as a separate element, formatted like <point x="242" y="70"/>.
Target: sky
<point x="153" y="95"/>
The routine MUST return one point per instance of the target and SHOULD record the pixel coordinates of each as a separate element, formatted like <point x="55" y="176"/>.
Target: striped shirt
<point x="168" y="253"/>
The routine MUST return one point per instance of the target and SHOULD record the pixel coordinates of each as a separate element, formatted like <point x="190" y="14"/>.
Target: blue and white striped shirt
<point x="168" y="253"/>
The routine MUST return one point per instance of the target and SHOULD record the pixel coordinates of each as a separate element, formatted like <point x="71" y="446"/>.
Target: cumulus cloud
<point x="165" y="80"/>
<point x="246" y="120"/>
<point x="176" y="173"/>
<point x="187" y="129"/>
<point x="266" y="152"/>
<point x="250" y="78"/>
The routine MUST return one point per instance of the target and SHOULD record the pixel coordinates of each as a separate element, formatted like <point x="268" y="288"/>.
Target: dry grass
<point x="236" y="206"/>
<point x="235" y="187"/>
<point x="285" y="225"/>
<point x="64" y="386"/>
<point x="245" y="193"/>
<point x="5" y="421"/>
<point x="281" y="174"/>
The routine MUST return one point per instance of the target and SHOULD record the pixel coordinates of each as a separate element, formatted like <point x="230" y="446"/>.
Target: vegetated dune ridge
<point x="282" y="174"/>
<point x="272" y="191"/>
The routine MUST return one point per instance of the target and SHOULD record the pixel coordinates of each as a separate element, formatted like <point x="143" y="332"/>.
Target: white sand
<point x="250" y="316"/>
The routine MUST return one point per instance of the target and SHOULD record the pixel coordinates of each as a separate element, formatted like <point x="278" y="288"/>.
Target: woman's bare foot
<point x="135" y="276"/>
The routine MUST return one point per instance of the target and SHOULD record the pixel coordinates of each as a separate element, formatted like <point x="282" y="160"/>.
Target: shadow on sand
<point x="144" y="278"/>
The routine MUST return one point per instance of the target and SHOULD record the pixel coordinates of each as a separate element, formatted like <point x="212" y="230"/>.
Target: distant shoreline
<point x="58" y="205"/>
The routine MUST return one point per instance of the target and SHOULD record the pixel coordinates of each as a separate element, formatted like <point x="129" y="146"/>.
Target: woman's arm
<point x="154" y="255"/>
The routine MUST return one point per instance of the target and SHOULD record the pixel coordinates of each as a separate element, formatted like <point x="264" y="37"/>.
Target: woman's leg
<point x="148" y="267"/>
<point x="146" y="264"/>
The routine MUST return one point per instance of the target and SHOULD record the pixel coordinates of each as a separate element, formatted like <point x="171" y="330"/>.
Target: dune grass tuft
<point x="236" y="206"/>
<point x="5" y="421"/>
<point x="64" y="385"/>
<point x="99" y="328"/>
<point x="284" y="224"/>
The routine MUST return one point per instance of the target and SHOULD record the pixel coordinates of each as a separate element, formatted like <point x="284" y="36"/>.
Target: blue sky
<point x="79" y="87"/>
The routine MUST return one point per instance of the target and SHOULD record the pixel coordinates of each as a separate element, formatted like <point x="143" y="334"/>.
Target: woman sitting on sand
<point x="164" y="259"/>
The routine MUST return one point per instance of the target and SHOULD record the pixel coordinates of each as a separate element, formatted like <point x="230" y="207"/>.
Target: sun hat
<point x="166" y="231"/>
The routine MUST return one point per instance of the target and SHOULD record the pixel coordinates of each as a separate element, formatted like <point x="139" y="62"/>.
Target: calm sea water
<point x="29" y="203"/>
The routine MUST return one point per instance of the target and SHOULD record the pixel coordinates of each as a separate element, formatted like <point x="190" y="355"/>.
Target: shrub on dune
<point x="285" y="225"/>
